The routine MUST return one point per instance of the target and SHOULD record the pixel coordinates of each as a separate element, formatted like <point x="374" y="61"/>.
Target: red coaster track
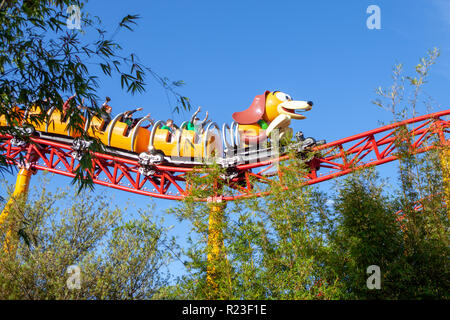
<point x="338" y="158"/>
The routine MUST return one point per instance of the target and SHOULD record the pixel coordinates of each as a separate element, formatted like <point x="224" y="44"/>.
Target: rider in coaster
<point x="65" y="108"/>
<point x="128" y="119"/>
<point x="132" y="122"/>
<point x="127" y="116"/>
<point x="84" y="109"/>
<point x="195" y="124"/>
<point x="106" y="113"/>
<point x="171" y="127"/>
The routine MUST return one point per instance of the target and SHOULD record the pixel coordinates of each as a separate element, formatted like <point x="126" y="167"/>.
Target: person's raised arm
<point x="195" y="114"/>
<point x="66" y="104"/>
<point x="129" y="113"/>
<point x="206" y="118"/>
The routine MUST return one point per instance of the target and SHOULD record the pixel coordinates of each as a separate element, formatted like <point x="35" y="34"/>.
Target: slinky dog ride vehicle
<point x="193" y="142"/>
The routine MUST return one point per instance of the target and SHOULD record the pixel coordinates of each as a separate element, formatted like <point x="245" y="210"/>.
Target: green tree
<point x="274" y="247"/>
<point x="368" y="233"/>
<point x="291" y="245"/>
<point x="118" y="257"/>
<point x="412" y="249"/>
<point x="42" y="62"/>
<point x="421" y="183"/>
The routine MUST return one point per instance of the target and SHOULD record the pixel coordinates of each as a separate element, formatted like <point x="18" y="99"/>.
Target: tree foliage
<point x="119" y="257"/>
<point x="42" y="62"/>
<point x="299" y="243"/>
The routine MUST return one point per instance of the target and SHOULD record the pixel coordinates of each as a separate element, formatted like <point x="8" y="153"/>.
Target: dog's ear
<point x="254" y="113"/>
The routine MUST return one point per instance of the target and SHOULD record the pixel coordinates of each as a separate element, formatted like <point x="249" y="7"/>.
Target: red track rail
<point x="338" y="158"/>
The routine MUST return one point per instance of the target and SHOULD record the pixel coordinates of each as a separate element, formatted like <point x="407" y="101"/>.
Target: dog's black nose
<point x="310" y="103"/>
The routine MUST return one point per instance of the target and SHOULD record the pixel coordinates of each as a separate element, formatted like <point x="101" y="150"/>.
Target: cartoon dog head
<point x="276" y="108"/>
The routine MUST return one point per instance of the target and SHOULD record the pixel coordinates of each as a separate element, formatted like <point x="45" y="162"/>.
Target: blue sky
<point x="229" y="51"/>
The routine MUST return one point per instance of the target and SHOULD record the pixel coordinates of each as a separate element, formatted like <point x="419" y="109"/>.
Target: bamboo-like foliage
<point x="42" y="63"/>
<point x="299" y="243"/>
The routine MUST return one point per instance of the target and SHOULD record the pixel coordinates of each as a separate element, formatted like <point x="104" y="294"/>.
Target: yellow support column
<point x="215" y="244"/>
<point x="20" y="191"/>
<point x="445" y="156"/>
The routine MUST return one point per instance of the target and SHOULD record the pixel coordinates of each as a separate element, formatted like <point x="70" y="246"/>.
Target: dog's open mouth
<point x="294" y="108"/>
<point x="296" y="111"/>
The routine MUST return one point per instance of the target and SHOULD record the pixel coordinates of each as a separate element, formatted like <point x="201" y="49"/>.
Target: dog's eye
<point x="282" y="96"/>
